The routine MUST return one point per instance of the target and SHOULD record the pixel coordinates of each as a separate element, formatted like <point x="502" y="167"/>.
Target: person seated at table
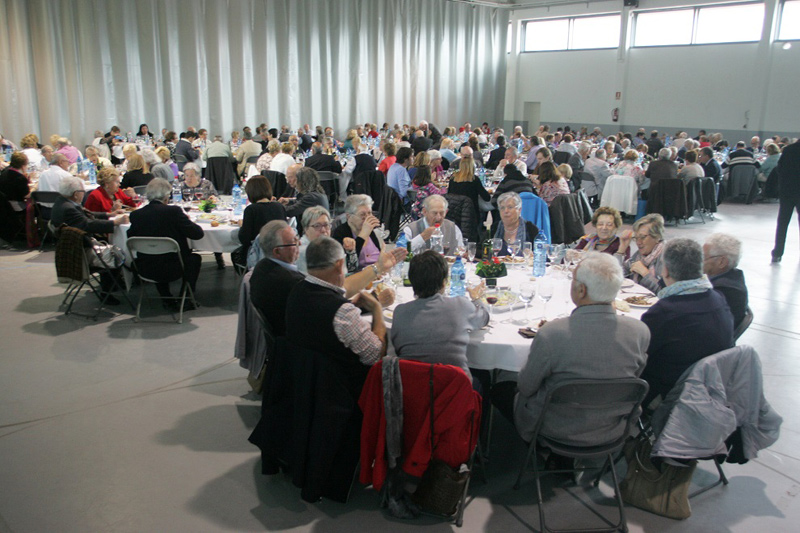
<point x="629" y="166"/>
<point x="721" y="254"/>
<point x="309" y="194"/>
<point x="436" y="163"/>
<point x="644" y="266"/>
<point x="108" y="197"/>
<point x="569" y="348"/>
<point x="690" y="321"/>
<point x="540" y="155"/>
<point x="158" y="219"/>
<point x="512" y="227"/>
<point x="711" y="168"/>
<point x="465" y="183"/>
<point x="127" y="150"/>
<point x="64" y="146"/>
<point x="599" y="169"/>
<point x="30" y="147"/>
<point x="551" y="183"/>
<point x="422" y="159"/>
<point x="322" y="162"/>
<point x="93" y="155"/>
<point x="422" y="184"/>
<point x="691" y="169"/>
<point x="509" y="159"/>
<point x="435" y="328"/>
<point x="265" y="160"/>
<point x="262" y="209"/>
<point x="138" y="173"/>
<point x="193" y="186"/>
<point x="390" y="153"/>
<point x="50" y="179"/>
<point x="606" y="221"/>
<point x="144" y="134"/>
<point x="662" y="168"/>
<point x="217" y="148"/>
<point x="771" y="162"/>
<point x="281" y="161"/>
<point x="165" y="167"/>
<point x="14" y="183"/>
<point x="364" y="246"/>
<point x="496" y="155"/>
<point x="446" y="150"/>
<point x="514" y="181"/>
<point x="434" y="211"/>
<point x="740" y="156"/>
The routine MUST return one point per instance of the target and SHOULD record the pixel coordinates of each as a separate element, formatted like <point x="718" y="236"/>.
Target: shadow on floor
<point x="213" y="429"/>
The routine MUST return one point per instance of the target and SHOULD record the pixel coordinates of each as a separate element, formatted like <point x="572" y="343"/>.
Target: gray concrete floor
<point x="118" y="426"/>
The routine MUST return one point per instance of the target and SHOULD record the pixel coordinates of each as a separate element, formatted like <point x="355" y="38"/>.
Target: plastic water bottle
<point x="237" y="200"/>
<point x="436" y="240"/>
<point x="482" y="175"/>
<point x="177" y="197"/>
<point x="458" y="274"/>
<point x="92" y="172"/>
<point x="539" y="255"/>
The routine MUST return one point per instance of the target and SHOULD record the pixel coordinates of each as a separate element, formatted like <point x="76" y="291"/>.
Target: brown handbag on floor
<point x="663" y="491"/>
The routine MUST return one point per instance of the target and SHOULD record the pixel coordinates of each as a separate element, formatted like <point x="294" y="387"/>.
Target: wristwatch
<point x="376" y="271"/>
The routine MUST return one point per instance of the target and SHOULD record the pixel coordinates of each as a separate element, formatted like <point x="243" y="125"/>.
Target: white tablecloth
<point x="501" y="346"/>
<point x="621" y="193"/>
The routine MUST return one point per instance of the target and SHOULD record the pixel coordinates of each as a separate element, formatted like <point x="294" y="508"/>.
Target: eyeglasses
<point x="642" y="237"/>
<point x="295" y="243"/>
<point x="320" y="226"/>
<point x="712" y="257"/>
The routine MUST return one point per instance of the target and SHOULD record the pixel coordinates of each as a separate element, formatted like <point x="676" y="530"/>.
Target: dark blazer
<point x="185" y="149"/>
<point x="512" y="184"/>
<point x="731" y="285"/>
<point x="255" y="216"/>
<point x="683" y="330"/>
<point x="471" y="189"/>
<point x="270" y="285"/>
<point x="135" y="178"/>
<point x="304" y="201"/>
<point x="789" y="171"/>
<point x="661" y="169"/>
<point x="75" y="216"/>
<point x="421" y="144"/>
<point x="324" y="163"/>
<point x="159" y="220"/>
<point x="495" y="156"/>
<point x="14" y="184"/>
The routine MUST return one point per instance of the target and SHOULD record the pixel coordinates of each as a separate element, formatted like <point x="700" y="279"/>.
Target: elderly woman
<point x="166" y="168"/>
<point x="691" y="169"/>
<point x="109" y="197"/>
<point x="447" y="150"/>
<point x="193" y="186"/>
<point x="644" y="267"/>
<point x="14" y="182"/>
<point x="138" y="172"/>
<point x="662" y="168"/>
<point x="264" y="161"/>
<point x="606" y="221"/>
<point x="63" y="146"/>
<point x="551" y="184"/>
<point x="512" y="227"/>
<point x="769" y="164"/>
<point x="436" y="163"/>
<point x="93" y="155"/>
<point x="309" y="194"/>
<point x="364" y="246"/>
<point x="434" y="328"/>
<point x="629" y="166"/>
<point x="30" y="147"/>
<point x="425" y="187"/>
<point x="316" y="221"/>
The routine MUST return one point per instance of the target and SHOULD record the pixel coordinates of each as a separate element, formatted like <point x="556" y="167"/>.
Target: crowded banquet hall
<point x="338" y="265"/>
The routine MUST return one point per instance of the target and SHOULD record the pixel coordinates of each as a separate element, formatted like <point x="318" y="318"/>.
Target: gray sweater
<point x="436" y="329"/>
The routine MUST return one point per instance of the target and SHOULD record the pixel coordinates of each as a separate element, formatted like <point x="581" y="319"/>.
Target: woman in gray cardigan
<point x="435" y="328"/>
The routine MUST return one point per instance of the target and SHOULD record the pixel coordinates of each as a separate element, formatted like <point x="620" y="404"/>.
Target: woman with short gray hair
<point x="644" y="267"/>
<point x="661" y="169"/>
<point x="358" y="237"/>
<point x="513" y="229"/>
<point x="309" y="194"/>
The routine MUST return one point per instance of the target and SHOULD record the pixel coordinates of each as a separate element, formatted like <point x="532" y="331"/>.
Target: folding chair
<point x="44" y="201"/>
<point x="745" y="323"/>
<point x="159" y="246"/>
<point x="586" y="398"/>
<point x="330" y="183"/>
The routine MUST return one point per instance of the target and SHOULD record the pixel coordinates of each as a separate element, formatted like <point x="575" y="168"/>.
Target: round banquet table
<point x="500" y="346"/>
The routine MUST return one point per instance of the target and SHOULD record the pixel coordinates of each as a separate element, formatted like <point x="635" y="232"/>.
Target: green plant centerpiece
<point x="206" y="206"/>
<point x="490" y="267"/>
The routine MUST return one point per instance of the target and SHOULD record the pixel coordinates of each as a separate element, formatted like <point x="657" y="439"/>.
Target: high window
<point x="789" y="25"/>
<point x="575" y="33"/>
<point x="700" y="25"/>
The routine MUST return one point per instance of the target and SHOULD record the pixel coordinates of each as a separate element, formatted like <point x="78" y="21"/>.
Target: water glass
<point x="526" y="292"/>
<point x="472" y="249"/>
<point x="545" y="291"/>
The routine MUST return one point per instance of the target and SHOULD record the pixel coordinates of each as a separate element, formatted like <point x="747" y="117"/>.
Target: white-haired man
<point x="721" y="254"/>
<point x="592" y="343"/>
<point x="434" y="211"/>
<point x="50" y="179"/>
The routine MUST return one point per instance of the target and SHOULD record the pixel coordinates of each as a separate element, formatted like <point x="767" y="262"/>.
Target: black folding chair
<point x="44" y="201"/>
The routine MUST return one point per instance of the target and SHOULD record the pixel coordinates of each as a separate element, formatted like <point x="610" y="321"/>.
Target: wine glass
<point x="199" y="196"/>
<point x="472" y="249"/>
<point x="497" y="245"/>
<point x="513" y="247"/>
<point x="554" y="252"/>
<point x="491" y="299"/>
<point x="461" y="248"/>
<point x="527" y="253"/>
<point x="545" y="293"/>
<point x="526" y="293"/>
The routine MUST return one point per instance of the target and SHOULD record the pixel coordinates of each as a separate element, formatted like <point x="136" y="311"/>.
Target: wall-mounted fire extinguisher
<point x="615" y="114"/>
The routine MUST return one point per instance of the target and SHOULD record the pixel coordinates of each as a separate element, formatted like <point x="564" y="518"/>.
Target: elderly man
<point x="690" y="320"/>
<point x="50" y="179"/>
<point x="755" y="144"/>
<point x="420" y="143"/>
<point x="577" y="160"/>
<point x="333" y="324"/>
<point x="567" y="146"/>
<point x="249" y="148"/>
<point x="398" y="178"/>
<point x="740" y="156"/>
<point x="434" y="210"/>
<point x="662" y="168"/>
<point x="159" y="219"/>
<point x="497" y="155"/>
<point x="184" y="148"/>
<point x="322" y="162"/>
<point x="592" y="343"/>
<point x="721" y="254"/>
<point x="291" y="181"/>
<point x="709" y="164"/>
<point x="654" y="144"/>
<point x="217" y="149"/>
<point x="598" y="167"/>
<point x="510" y="159"/>
<point x="274" y="276"/>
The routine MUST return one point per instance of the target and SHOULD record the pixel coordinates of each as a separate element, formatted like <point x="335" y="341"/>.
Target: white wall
<point x="677" y="87"/>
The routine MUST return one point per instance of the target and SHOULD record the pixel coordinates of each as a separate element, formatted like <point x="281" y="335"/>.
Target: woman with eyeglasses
<point x="358" y="237"/>
<point x="606" y="221"/>
<point x="644" y="267"/>
<point x="316" y="222"/>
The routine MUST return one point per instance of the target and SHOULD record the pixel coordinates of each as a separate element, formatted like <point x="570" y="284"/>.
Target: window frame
<point x="570" y="28"/>
<point x="779" y="24"/>
<point x="695" y="22"/>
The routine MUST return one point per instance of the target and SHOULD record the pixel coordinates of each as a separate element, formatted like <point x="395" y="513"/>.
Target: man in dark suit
<point x="498" y="154"/>
<point x="68" y="209"/>
<point x="721" y="253"/>
<point x="322" y="162"/>
<point x="275" y="276"/>
<point x="184" y="148"/>
<point x="789" y="195"/>
<point x="158" y="219"/>
<point x="420" y="143"/>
